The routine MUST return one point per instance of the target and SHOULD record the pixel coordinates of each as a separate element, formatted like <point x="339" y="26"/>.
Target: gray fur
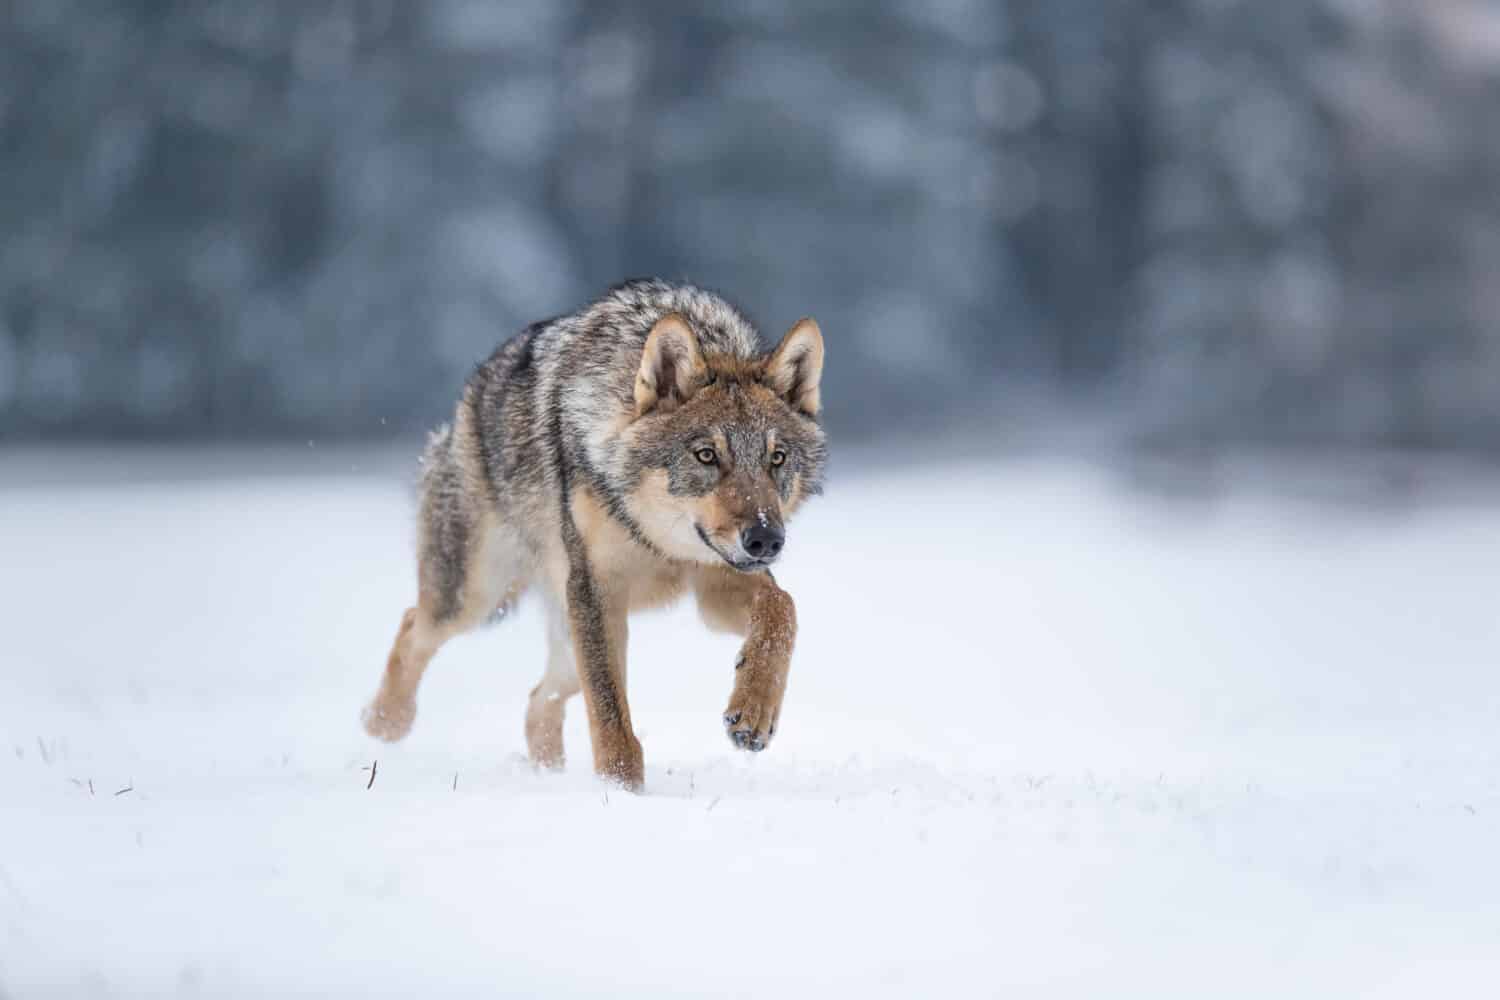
<point x="531" y="416"/>
<point x="614" y="477"/>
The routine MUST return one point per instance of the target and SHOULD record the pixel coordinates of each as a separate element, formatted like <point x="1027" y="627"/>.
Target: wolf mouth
<point x="744" y="566"/>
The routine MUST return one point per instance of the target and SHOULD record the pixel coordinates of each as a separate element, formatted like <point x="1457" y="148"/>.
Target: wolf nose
<point x="763" y="541"/>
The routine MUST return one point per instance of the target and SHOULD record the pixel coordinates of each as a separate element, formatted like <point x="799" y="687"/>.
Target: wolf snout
<point x="762" y="542"/>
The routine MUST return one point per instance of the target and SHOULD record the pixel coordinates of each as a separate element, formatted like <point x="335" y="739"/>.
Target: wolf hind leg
<point x="390" y="715"/>
<point x="546" y="708"/>
<point x="467" y="568"/>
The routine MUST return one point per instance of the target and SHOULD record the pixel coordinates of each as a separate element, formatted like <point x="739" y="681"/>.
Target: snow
<point x="1045" y="735"/>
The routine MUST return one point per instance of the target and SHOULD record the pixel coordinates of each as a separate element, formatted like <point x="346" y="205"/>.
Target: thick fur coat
<point x="613" y="459"/>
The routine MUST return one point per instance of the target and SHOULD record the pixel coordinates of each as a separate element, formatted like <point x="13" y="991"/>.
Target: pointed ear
<point x="672" y="367"/>
<point x="796" y="366"/>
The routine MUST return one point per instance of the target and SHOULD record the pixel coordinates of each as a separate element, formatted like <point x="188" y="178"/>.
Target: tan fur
<point x="642" y="580"/>
<point x="630" y="579"/>
<point x="499" y="515"/>
<point x="755" y="607"/>
<point x="796" y="366"/>
<point x="390" y="716"/>
<point x="668" y="519"/>
<point x="727" y="366"/>
<point x="672" y="367"/>
<point x="547" y="705"/>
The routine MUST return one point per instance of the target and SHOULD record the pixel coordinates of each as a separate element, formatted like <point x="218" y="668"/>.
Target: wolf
<point x="612" y="460"/>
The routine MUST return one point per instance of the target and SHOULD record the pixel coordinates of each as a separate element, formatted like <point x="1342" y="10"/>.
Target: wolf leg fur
<point x="545" y="709"/>
<point x="600" y="634"/>
<point x="390" y="715"/>
<point x="450" y="603"/>
<point x="755" y="607"/>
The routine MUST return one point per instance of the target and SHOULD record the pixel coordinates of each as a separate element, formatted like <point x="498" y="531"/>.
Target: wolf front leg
<point x="751" y="605"/>
<point x="600" y="632"/>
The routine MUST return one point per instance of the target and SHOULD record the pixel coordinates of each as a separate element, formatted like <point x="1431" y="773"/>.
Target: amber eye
<point x="707" y="456"/>
<point x="778" y="458"/>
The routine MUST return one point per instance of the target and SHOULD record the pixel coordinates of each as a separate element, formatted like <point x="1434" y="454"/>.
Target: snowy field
<point x="1046" y="735"/>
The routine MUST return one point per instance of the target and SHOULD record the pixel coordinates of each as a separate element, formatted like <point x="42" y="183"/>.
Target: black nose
<point x="763" y="541"/>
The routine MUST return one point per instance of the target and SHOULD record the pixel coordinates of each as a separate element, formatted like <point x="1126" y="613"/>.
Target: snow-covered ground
<point x="1045" y="736"/>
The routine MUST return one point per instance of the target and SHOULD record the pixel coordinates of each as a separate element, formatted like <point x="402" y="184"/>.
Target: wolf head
<point x="723" y="449"/>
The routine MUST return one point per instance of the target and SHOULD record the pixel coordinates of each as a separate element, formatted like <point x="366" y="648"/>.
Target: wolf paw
<point x="750" y="724"/>
<point x="389" y="720"/>
<point x="622" y="764"/>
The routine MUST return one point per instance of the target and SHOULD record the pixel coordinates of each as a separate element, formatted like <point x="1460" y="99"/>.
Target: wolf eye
<point x="707" y="456"/>
<point x="778" y="458"/>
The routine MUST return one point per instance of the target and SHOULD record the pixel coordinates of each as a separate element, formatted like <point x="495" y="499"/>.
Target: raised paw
<point x="750" y="723"/>
<point x="389" y="719"/>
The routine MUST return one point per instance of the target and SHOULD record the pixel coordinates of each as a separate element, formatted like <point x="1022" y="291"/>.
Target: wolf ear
<point x="796" y="366"/>
<point x="672" y="367"/>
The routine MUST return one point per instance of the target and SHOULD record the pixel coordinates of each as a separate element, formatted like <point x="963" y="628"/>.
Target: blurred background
<point x="1147" y="628"/>
<point x="1193" y="223"/>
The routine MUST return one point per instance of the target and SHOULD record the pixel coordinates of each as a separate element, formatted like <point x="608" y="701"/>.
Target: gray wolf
<point x="612" y="460"/>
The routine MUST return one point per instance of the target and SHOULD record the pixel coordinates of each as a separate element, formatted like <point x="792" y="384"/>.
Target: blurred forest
<point x="1221" y="221"/>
